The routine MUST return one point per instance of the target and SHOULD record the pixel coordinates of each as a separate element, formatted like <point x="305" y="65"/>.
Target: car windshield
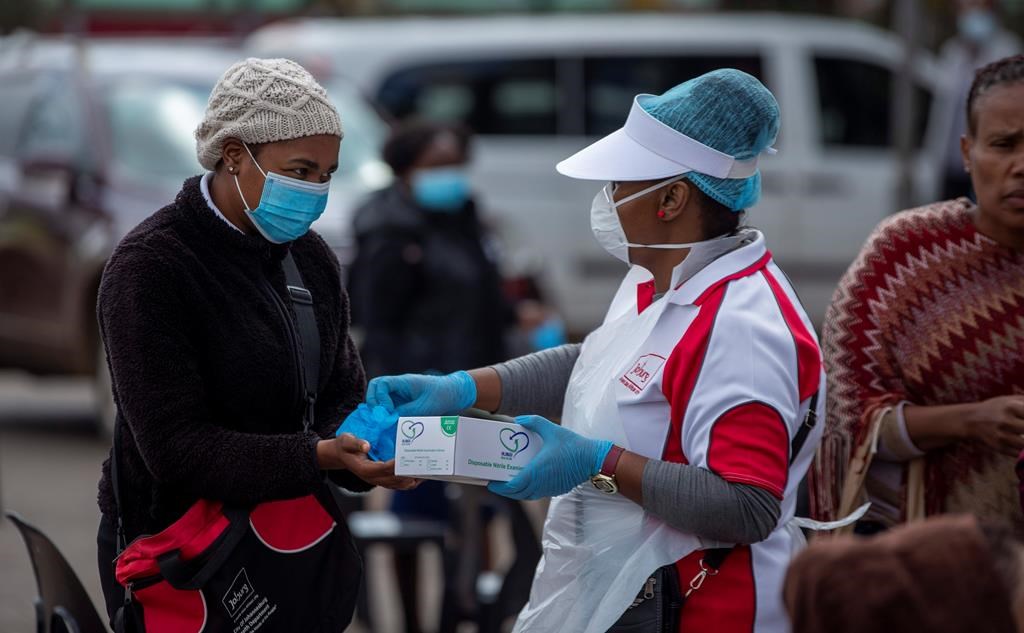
<point x="153" y="122"/>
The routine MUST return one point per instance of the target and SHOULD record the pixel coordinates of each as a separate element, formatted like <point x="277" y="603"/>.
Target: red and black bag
<point x="281" y="566"/>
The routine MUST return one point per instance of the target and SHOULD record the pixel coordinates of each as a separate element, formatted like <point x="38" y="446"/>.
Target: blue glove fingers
<point x="541" y="426"/>
<point x="360" y="424"/>
<point x="501" y="488"/>
<point x="512" y="488"/>
<point x="383" y="449"/>
<point x="533" y="491"/>
<point x="378" y="394"/>
<point x="434" y="395"/>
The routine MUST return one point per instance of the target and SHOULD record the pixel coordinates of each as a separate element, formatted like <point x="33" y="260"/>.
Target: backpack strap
<point x="115" y="484"/>
<point x="810" y="421"/>
<point x="125" y="616"/>
<point x="309" y="335"/>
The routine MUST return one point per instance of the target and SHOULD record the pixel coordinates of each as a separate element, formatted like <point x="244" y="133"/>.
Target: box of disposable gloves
<point x="462" y="449"/>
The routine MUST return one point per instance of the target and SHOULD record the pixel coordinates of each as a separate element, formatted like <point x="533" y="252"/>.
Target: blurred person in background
<point x="952" y="574"/>
<point x="192" y="310"/>
<point x="979" y="40"/>
<point x="426" y="292"/>
<point x="425" y="285"/>
<point x="706" y="368"/>
<point x="924" y="340"/>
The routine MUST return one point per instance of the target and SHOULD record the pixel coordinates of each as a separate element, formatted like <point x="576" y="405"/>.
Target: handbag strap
<point x="713" y="559"/>
<point x="309" y="336"/>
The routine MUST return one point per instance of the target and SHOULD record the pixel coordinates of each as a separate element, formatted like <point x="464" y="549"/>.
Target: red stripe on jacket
<point x="808" y="355"/>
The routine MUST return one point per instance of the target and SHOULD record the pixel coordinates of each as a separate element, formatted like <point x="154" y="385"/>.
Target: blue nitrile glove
<point x="565" y="461"/>
<point x="419" y="394"/>
<point x="375" y="425"/>
<point x="550" y="333"/>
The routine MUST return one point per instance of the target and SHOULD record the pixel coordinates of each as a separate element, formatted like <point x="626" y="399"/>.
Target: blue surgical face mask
<point x="288" y="206"/>
<point x="444" y="189"/>
<point x="977" y="25"/>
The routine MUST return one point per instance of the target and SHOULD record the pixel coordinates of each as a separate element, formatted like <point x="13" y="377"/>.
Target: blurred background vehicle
<point x="94" y="137"/>
<point x="535" y="89"/>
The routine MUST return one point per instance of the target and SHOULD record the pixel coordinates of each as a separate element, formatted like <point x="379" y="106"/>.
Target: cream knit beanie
<point x="263" y="101"/>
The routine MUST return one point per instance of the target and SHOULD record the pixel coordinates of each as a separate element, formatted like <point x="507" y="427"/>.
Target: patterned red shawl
<point x="931" y="312"/>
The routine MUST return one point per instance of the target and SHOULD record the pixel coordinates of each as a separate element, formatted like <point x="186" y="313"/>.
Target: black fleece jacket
<point x="203" y="373"/>
<point x="444" y="309"/>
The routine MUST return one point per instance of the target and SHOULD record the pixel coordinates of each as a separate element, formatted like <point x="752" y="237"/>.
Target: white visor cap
<point x="647" y="149"/>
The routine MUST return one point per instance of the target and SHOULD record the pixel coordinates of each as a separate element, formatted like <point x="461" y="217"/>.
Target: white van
<point x="538" y="88"/>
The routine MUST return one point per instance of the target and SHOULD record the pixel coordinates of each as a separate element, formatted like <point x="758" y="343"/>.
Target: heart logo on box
<point x="412" y="429"/>
<point x="514" y="441"/>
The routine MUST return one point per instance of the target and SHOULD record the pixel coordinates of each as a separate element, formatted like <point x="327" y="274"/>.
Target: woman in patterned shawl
<point x="926" y="334"/>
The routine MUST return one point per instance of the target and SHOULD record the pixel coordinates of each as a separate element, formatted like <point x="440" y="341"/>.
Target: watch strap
<point x="611" y="461"/>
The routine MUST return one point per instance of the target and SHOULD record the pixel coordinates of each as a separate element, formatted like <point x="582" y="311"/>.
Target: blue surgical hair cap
<point x="728" y="110"/>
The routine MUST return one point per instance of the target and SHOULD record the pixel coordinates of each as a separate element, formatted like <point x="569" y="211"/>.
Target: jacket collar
<point x="193" y="205"/>
<point x="741" y="262"/>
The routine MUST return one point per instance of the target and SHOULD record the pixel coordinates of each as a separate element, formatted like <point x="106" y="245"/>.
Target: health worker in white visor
<point x="688" y="416"/>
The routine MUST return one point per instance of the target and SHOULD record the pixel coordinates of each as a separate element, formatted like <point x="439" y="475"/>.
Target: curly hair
<point x="1004" y="71"/>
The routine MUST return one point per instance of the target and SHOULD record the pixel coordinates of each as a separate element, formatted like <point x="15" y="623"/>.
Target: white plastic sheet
<point x="599" y="548"/>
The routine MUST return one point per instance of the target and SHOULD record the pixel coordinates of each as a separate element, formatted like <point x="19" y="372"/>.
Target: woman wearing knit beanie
<point x="218" y="393"/>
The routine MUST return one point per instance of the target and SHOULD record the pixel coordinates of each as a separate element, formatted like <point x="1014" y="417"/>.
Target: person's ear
<point x="674" y="200"/>
<point x="232" y="153"/>
<point x="966" y="144"/>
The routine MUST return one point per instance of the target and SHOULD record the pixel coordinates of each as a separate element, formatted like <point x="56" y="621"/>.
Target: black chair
<point x="63" y="606"/>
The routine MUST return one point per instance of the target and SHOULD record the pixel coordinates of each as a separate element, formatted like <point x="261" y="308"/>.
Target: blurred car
<point x="94" y="137"/>
<point x="538" y="88"/>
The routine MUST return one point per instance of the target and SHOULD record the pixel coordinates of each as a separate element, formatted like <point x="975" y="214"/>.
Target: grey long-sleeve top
<point x="689" y="498"/>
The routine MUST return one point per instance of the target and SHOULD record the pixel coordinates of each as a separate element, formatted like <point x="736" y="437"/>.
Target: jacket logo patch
<point x="239" y="594"/>
<point x="643" y="370"/>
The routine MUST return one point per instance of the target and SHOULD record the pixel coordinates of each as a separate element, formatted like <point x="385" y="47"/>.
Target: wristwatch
<point x="604" y="480"/>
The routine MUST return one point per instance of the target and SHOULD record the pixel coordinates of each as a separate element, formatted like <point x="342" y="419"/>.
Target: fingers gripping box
<point x="462" y="449"/>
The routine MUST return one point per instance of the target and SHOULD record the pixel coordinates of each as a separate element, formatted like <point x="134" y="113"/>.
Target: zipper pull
<point x="307" y="423"/>
<point x="649" y="588"/>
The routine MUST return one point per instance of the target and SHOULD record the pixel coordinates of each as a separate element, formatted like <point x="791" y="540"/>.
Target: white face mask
<point x="604" y="222"/>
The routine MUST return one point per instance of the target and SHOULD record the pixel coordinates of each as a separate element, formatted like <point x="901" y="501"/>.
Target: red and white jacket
<point x="724" y="383"/>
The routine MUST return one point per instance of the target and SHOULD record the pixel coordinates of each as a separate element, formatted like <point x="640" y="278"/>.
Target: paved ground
<point x="49" y="465"/>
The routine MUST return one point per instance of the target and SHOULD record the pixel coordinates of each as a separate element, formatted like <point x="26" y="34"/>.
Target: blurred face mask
<point x="288" y="206"/>
<point x="443" y="189"/>
<point x="607" y="228"/>
<point x="977" y="25"/>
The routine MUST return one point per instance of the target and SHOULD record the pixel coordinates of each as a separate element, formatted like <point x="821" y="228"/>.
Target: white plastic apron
<point x="600" y="548"/>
